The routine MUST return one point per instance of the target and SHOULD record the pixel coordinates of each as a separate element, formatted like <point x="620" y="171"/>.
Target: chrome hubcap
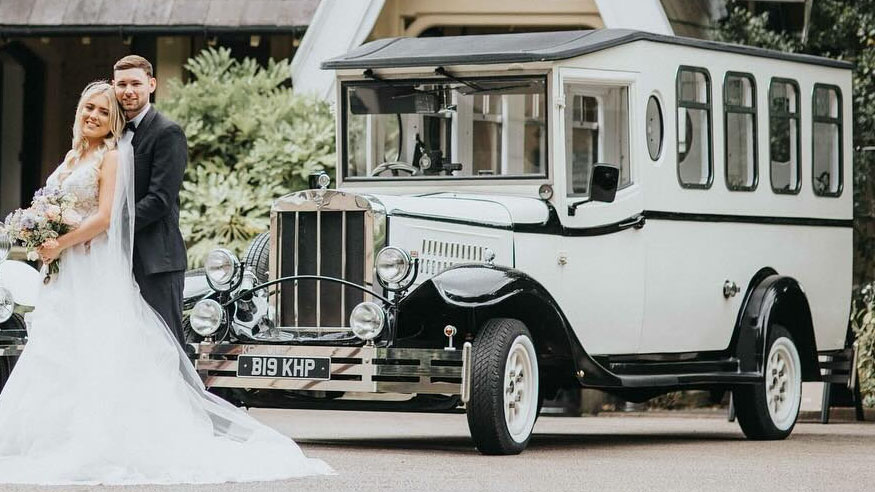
<point x="783" y="383"/>
<point x="520" y="389"/>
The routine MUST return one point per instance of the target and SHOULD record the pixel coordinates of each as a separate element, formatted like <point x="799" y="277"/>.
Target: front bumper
<point x="11" y="348"/>
<point x="366" y="369"/>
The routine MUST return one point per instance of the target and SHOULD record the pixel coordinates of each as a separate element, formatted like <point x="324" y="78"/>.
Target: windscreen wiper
<point x="475" y="88"/>
<point x="443" y="73"/>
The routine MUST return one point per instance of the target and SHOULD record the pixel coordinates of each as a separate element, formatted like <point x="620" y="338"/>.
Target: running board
<point x="646" y="368"/>
<point x="695" y="379"/>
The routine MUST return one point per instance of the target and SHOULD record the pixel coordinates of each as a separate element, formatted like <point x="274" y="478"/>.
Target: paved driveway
<point x="412" y="452"/>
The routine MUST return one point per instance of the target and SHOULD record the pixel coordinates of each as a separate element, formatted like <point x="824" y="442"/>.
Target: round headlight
<point x="392" y="264"/>
<point x="366" y="320"/>
<point x="5" y="245"/>
<point x="220" y="266"/>
<point x="7" y="305"/>
<point x="206" y="317"/>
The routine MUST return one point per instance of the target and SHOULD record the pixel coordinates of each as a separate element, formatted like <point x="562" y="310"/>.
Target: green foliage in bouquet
<point x="250" y="140"/>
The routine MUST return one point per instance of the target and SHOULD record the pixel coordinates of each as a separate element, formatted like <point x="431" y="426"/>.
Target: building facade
<point x="50" y="49"/>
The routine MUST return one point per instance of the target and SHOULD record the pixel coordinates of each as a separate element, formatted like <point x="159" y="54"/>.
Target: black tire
<point x="14" y="323"/>
<point x="257" y="256"/>
<point x="752" y="401"/>
<point x="5" y="369"/>
<point x="486" y="408"/>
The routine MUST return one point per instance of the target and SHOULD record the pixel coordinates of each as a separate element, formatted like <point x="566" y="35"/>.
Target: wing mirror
<point x="603" y="182"/>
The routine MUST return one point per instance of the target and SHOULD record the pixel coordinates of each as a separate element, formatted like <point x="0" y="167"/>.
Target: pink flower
<point x="52" y="212"/>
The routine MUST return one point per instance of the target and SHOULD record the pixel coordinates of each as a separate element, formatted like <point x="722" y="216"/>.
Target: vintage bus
<point x="523" y="213"/>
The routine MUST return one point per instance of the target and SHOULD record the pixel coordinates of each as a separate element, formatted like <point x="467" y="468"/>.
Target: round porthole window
<point x="654" y="128"/>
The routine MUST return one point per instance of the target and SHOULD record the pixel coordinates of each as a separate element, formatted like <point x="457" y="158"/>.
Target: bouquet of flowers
<point x="51" y="215"/>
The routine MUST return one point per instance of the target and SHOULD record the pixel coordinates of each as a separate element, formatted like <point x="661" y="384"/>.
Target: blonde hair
<point x="116" y="120"/>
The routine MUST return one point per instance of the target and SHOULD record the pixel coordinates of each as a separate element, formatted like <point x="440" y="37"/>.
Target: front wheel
<point x="504" y="388"/>
<point x="768" y="410"/>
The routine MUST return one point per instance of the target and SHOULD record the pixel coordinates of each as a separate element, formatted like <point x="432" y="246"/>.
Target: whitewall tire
<point x="769" y="409"/>
<point x="504" y="387"/>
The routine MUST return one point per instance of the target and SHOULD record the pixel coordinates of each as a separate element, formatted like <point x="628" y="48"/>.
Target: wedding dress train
<point x="103" y="393"/>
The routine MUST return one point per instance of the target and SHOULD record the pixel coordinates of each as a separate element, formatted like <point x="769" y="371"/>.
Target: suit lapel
<point x="144" y="125"/>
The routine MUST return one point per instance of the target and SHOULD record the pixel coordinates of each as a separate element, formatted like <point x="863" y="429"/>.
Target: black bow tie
<point x="130" y="126"/>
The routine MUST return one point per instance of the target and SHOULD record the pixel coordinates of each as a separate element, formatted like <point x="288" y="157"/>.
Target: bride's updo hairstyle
<point x="116" y="119"/>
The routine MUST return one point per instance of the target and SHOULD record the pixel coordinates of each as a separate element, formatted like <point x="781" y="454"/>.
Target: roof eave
<point x="362" y="62"/>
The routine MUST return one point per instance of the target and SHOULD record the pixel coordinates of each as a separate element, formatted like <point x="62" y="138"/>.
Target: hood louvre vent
<point x="436" y="256"/>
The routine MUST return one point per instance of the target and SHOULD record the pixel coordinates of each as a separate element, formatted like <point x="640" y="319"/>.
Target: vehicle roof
<point x="529" y="47"/>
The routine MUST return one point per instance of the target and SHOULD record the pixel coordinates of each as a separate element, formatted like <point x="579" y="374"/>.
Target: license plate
<point x="275" y="366"/>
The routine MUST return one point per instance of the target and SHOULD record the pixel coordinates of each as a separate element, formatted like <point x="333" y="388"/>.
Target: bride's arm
<point x="94" y="224"/>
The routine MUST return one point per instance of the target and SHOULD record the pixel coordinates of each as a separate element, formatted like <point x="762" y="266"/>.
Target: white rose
<point x="32" y="256"/>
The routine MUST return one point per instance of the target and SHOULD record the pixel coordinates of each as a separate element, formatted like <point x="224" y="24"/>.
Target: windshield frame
<point x="345" y="84"/>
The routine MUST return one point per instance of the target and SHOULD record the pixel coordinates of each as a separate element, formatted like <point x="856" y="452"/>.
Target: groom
<point x="160" y="156"/>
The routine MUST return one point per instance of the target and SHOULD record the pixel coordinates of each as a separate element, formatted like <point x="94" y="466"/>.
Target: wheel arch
<point x="773" y="299"/>
<point x="469" y="295"/>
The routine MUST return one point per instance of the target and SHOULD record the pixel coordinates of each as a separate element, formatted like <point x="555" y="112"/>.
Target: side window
<point x="740" y="127"/>
<point x="596" y="130"/>
<point x="784" y="141"/>
<point x="694" y="127"/>
<point x="826" y="158"/>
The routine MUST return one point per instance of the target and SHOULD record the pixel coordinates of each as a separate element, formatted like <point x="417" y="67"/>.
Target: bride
<point x="102" y="393"/>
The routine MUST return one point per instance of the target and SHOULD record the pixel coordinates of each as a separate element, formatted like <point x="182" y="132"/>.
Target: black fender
<point x="774" y="299"/>
<point x="466" y="296"/>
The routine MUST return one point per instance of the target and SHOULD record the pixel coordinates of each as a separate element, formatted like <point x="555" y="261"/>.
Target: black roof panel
<point x="528" y="47"/>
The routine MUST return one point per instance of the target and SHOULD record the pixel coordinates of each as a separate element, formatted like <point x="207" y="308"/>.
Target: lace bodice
<point x="82" y="181"/>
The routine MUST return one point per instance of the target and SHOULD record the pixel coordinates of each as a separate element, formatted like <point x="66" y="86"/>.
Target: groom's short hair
<point x="133" y="61"/>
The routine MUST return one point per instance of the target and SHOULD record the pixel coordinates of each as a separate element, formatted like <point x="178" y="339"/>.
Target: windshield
<point x="453" y="128"/>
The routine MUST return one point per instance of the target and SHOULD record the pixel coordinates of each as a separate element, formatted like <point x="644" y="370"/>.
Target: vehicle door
<point x="602" y="250"/>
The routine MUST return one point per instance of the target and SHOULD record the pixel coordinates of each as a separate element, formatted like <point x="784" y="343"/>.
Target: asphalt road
<point x="669" y="451"/>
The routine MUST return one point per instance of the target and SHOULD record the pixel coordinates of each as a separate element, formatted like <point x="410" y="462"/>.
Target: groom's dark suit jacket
<point x="160" y="157"/>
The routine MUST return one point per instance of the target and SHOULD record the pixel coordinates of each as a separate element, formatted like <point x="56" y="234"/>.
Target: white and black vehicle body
<point x="19" y="285"/>
<point x="519" y="214"/>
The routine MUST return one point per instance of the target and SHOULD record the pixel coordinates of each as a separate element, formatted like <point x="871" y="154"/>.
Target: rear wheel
<point x="504" y="388"/>
<point x="768" y="410"/>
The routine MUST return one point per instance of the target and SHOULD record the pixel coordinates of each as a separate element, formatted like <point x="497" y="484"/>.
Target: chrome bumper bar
<point x="353" y="369"/>
<point x="11" y="350"/>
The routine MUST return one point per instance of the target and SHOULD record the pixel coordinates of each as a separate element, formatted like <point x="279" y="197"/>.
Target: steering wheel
<point x="394" y="167"/>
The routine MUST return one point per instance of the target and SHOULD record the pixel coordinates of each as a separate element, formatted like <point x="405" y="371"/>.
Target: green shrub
<point x="250" y="140"/>
<point x="863" y="323"/>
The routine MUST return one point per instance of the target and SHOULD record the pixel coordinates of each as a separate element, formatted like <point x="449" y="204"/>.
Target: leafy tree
<point x="250" y="140"/>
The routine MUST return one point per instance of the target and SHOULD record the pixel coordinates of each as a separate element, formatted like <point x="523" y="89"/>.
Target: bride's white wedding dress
<point x="103" y="393"/>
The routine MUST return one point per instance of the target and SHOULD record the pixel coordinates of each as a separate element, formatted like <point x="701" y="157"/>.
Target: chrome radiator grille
<point x="334" y="240"/>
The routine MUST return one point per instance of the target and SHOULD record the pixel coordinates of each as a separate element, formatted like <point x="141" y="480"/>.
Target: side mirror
<point x="603" y="182"/>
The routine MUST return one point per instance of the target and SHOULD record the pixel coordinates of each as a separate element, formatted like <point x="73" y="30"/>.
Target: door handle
<point x="637" y="222"/>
